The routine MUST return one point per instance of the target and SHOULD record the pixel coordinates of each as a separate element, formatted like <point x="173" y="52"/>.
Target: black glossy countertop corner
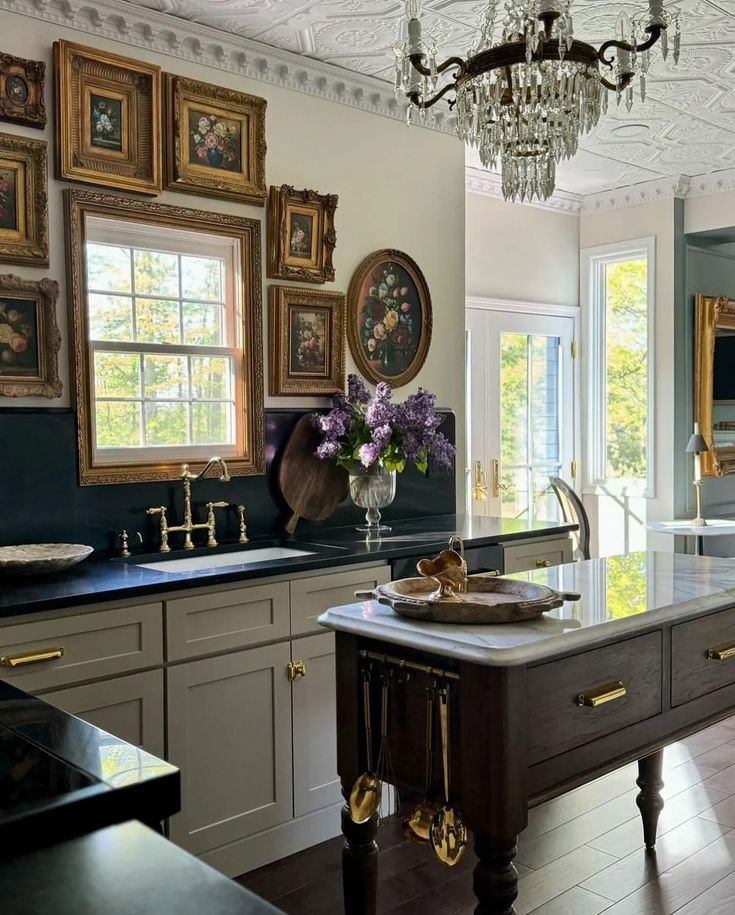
<point x="60" y="776"/>
<point x="102" y="579"/>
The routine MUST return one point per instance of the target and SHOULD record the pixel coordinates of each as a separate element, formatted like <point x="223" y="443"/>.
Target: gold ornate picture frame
<point x="108" y="111"/>
<point x="301" y="236"/>
<point x="306" y="341"/>
<point x="29" y="338"/>
<point x="21" y="91"/>
<point x="23" y="201"/>
<point x="215" y="141"/>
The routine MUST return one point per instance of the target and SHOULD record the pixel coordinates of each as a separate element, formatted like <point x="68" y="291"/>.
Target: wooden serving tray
<point x="487" y="600"/>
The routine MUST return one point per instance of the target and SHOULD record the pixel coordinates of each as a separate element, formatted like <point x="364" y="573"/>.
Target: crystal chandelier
<point x="524" y="98"/>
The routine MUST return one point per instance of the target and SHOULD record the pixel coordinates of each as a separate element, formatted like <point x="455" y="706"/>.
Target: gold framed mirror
<point x="714" y="382"/>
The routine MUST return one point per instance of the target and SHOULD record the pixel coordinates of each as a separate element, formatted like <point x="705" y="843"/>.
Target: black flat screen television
<point x="723" y="387"/>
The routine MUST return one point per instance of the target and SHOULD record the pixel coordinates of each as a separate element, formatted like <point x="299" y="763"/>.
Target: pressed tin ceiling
<point x="685" y="127"/>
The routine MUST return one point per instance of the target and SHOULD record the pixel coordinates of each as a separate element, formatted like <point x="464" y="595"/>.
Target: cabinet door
<point x="315" y="779"/>
<point x="229" y="731"/>
<point x="310" y="597"/>
<point x="127" y="707"/>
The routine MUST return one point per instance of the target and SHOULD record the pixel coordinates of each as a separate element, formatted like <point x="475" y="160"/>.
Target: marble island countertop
<point x="103" y="579"/>
<point x="619" y="594"/>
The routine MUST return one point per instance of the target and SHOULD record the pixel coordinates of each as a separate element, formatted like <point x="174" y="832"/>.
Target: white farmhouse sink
<point x="223" y="560"/>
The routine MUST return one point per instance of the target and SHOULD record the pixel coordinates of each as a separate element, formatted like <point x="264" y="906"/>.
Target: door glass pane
<point x="514" y="492"/>
<point x="513" y="399"/>
<point x="545" y="399"/>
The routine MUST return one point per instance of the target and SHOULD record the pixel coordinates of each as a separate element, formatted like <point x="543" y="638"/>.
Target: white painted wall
<point x="657" y="220"/>
<point x="521" y="253"/>
<point x="397" y="189"/>
<point x="712" y="211"/>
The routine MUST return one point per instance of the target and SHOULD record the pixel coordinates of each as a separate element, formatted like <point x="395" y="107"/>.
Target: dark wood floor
<point x="582" y="853"/>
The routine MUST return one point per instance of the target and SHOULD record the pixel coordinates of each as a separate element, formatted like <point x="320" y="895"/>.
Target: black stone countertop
<point x="95" y="581"/>
<point x="121" y="870"/>
<point x="60" y="776"/>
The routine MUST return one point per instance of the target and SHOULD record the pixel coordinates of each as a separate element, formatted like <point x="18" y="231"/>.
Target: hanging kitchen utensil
<point x="384" y="769"/>
<point x="366" y="792"/>
<point x="417" y="820"/>
<point x="448" y="834"/>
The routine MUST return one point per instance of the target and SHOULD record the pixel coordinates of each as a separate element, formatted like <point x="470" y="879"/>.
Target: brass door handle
<point x="496" y="479"/>
<point x="609" y="693"/>
<point x="32" y="657"/>
<point x="543" y="563"/>
<point x="721" y="652"/>
<point x="480" y="487"/>
<point x="296" y="670"/>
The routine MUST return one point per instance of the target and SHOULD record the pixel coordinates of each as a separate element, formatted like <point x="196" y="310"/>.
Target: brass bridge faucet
<point x="188" y="526"/>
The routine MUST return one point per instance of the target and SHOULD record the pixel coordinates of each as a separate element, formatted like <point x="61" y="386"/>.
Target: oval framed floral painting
<point x="389" y="317"/>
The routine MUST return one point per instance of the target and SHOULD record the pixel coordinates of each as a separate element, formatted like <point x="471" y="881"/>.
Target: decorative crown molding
<point x="716" y="183"/>
<point x="636" y="194"/>
<point x="488" y="184"/>
<point x="144" y="28"/>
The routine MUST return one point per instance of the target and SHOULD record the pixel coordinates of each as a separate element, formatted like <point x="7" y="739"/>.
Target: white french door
<point x="521" y="411"/>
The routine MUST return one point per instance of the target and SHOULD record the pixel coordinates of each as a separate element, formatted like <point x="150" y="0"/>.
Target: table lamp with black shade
<point x="697" y="446"/>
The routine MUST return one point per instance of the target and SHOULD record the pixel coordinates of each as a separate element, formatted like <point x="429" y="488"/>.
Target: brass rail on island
<point x="438" y="672"/>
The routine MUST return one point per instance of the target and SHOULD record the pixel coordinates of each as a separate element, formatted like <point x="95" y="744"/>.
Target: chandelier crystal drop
<point x="529" y="89"/>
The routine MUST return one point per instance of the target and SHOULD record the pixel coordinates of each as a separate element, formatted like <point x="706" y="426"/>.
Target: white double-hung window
<point x="618" y="295"/>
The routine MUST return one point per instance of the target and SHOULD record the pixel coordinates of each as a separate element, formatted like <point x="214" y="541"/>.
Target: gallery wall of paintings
<point x="352" y="278"/>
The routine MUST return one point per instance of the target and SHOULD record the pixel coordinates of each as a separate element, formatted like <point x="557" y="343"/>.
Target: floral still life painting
<point x="215" y="141"/>
<point x="389" y="322"/>
<point x="8" y="208"/>
<point x="18" y="337"/>
<point x="106" y="123"/>
<point x="29" y="337"/>
<point x="308" y="339"/>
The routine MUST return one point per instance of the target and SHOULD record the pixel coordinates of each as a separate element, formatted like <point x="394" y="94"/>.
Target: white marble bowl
<point x="41" y="558"/>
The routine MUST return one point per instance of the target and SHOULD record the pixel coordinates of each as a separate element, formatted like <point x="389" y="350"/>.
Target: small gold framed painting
<point x="301" y="236"/>
<point x="108" y="111"/>
<point x="21" y="91"/>
<point x="29" y="338"/>
<point x="306" y="341"/>
<point x="23" y="201"/>
<point x="216" y="141"/>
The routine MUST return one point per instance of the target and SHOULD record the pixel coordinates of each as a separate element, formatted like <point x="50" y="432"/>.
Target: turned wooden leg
<point x="649" y="800"/>
<point x="495" y="878"/>
<point x="359" y="863"/>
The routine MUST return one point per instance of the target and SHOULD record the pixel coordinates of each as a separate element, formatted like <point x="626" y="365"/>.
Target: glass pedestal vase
<point x="372" y="488"/>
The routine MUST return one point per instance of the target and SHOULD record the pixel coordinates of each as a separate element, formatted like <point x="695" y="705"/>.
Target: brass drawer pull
<point x="721" y="652"/>
<point x="32" y="657"/>
<point x="608" y="693"/>
<point x="296" y="670"/>
<point x="543" y="563"/>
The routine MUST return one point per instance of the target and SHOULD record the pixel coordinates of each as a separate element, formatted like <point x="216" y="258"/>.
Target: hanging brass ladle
<point x="366" y="792"/>
<point x="448" y="834"/>
<point x="416" y="823"/>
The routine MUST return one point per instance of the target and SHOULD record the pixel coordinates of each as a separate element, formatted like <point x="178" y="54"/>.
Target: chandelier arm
<point x="418" y="65"/>
<point x="415" y="97"/>
<point x="625" y="81"/>
<point x="654" y="35"/>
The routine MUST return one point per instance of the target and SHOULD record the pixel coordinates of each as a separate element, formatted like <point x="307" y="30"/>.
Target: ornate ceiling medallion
<point x="525" y="98"/>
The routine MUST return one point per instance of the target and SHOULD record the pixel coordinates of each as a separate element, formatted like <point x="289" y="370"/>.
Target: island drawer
<point x="56" y="652"/>
<point x="223" y="620"/>
<point x="310" y="597"/>
<point x="579" y="699"/>
<point x="541" y="554"/>
<point x="702" y="656"/>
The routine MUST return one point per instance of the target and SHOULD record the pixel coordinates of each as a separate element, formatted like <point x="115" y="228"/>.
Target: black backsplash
<point x="42" y="501"/>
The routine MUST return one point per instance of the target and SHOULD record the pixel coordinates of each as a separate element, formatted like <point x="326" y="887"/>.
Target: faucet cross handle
<point x="211" y="523"/>
<point x="241" y="522"/>
<point x="161" y="510"/>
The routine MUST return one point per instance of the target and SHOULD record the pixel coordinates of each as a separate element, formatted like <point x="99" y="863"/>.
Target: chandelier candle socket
<point x="529" y="89"/>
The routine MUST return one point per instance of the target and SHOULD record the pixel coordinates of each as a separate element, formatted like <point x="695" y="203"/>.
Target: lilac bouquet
<point x="374" y="431"/>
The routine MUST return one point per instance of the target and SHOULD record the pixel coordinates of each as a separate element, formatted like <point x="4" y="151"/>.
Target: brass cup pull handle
<point x="543" y="563"/>
<point x="609" y="693"/>
<point x="296" y="670"/>
<point x="721" y="652"/>
<point x="32" y="657"/>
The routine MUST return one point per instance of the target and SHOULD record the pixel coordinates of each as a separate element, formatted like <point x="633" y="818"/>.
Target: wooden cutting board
<point x="311" y="487"/>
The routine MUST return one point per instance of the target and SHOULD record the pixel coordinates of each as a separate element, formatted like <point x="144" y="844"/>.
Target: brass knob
<point x="296" y="670"/>
<point x="543" y="563"/>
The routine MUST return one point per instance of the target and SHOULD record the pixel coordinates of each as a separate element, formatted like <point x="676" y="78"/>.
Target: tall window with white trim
<point x="620" y="367"/>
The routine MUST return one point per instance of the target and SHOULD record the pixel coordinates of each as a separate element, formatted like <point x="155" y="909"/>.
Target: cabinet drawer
<point x="524" y="557"/>
<point x="310" y="597"/>
<point x="236" y="618"/>
<point x="556" y="720"/>
<point x="96" y="644"/>
<point x="693" y="673"/>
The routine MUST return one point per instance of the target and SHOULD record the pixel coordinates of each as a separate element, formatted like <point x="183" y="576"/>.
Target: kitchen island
<point x="644" y="658"/>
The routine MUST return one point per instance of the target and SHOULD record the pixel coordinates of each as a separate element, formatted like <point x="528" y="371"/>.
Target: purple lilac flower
<point x="328" y="449"/>
<point x="335" y="423"/>
<point x="381" y="409"/>
<point x="369" y="454"/>
<point x="382" y="435"/>
<point x="441" y="451"/>
<point x="357" y="390"/>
